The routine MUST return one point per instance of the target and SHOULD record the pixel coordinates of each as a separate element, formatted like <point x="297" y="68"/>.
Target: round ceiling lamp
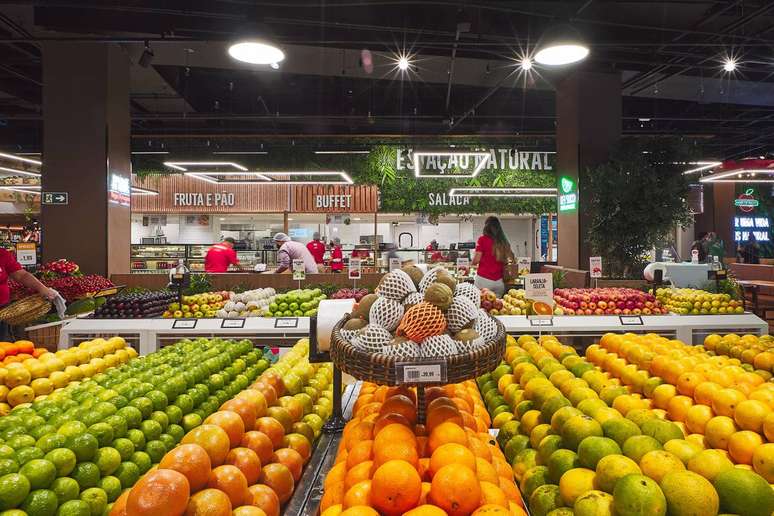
<point x="561" y="45"/>
<point x="256" y="52"/>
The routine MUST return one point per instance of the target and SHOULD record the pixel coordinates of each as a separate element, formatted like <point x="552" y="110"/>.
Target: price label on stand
<point x="184" y="324"/>
<point x="26" y="253"/>
<point x="286" y="322"/>
<point x="299" y="270"/>
<point x="463" y="267"/>
<point x="394" y="264"/>
<point x="595" y="266"/>
<point x="541" y="322"/>
<point x="523" y="264"/>
<point x="232" y="323"/>
<point x="630" y="320"/>
<point x="355" y="268"/>
<point x="429" y="372"/>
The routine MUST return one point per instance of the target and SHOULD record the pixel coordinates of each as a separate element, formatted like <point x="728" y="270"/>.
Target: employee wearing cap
<point x="317" y="248"/>
<point x="337" y="257"/>
<point x="289" y="251"/>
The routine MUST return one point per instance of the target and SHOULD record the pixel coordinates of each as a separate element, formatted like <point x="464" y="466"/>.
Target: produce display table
<point x="688" y="328"/>
<point x="149" y="335"/>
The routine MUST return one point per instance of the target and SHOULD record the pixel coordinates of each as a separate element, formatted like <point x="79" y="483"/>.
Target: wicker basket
<point x="25" y="310"/>
<point x="380" y="368"/>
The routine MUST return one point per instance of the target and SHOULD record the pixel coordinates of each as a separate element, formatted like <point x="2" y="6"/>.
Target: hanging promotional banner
<point x="595" y="266"/>
<point x="355" y="268"/>
<point x="299" y="271"/>
<point x="26" y="253"/>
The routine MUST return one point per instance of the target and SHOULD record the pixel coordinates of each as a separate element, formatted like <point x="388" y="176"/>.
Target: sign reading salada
<point x="203" y="199"/>
<point x="444" y="199"/>
<point x="445" y="162"/>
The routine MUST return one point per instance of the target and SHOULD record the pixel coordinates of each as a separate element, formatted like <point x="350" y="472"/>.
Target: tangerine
<point x="231" y="481"/>
<point x="213" y="439"/>
<point x="396" y="487"/>
<point x="248" y="463"/>
<point x="229" y="421"/>
<point x="280" y="479"/>
<point x="260" y="443"/>
<point x="208" y="502"/>
<point x="293" y="460"/>
<point x="266" y="499"/>
<point x="192" y="461"/>
<point x="456" y="490"/>
<point x="163" y="491"/>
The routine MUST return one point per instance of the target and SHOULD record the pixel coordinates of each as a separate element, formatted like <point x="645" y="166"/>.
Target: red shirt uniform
<point x="317" y="249"/>
<point x="219" y="257"/>
<point x="488" y="267"/>
<point x="8" y="265"/>
<point x="337" y="259"/>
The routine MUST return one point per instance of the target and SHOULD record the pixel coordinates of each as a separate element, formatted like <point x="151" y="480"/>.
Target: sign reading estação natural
<point x="449" y="160"/>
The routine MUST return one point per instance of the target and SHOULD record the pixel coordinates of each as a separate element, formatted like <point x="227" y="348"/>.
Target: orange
<point x="768" y="427"/>
<point x="425" y="510"/>
<point x="447" y="432"/>
<point x="451" y="453"/>
<point x="260" y="444"/>
<point x="257" y="399"/>
<point x="361" y="452"/>
<point x="705" y="391"/>
<point x="231" y="481"/>
<point x="456" y="490"/>
<point x="333" y="495"/>
<point x="763" y="461"/>
<point x="279" y="479"/>
<point x="678" y="406"/>
<point x="389" y="419"/>
<point x="725" y="401"/>
<point x="443" y="413"/>
<point x="248" y="463"/>
<point x="696" y="418"/>
<point x="192" y="461"/>
<point x="400" y="404"/>
<point x="360" y="510"/>
<point x="359" y="494"/>
<point x="399" y="450"/>
<point x="742" y="445"/>
<point x="359" y="473"/>
<point x="273" y="429"/>
<point x="486" y="472"/>
<point x="229" y="421"/>
<point x="492" y="494"/>
<point x="396" y="487"/>
<point x="687" y="383"/>
<point x="764" y="395"/>
<point x="336" y="474"/>
<point x="163" y="491"/>
<point x="510" y="489"/>
<point x="248" y="510"/>
<point x="292" y="460"/>
<point x="391" y="433"/>
<point x="749" y="415"/>
<point x="244" y="408"/>
<point x="213" y="439"/>
<point x="662" y="394"/>
<point x="208" y="502"/>
<point x="480" y="449"/>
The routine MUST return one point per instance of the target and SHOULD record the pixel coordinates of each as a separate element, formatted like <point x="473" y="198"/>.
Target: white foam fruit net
<point x="429" y="278"/>
<point x="396" y="285"/>
<point x="407" y="349"/>
<point x="413" y="299"/>
<point x="386" y="312"/>
<point x="439" y="346"/>
<point x="470" y="291"/>
<point x="347" y="335"/>
<point x="461" y="312"/>
<point x="485" y="326"/>
<point x="469" y="345"/>
<point x="372" y="338"/>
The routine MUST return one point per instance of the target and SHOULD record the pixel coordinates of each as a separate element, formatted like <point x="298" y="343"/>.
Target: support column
<point x="588" y="113"/>
<point x="86" y="131"/>
<point x="723" y="195"/>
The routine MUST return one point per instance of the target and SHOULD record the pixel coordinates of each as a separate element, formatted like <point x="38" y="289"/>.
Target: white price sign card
<point x="299" y="271"/>
<point x="184" y="324"/>
<point x="540" y="287"/>
<point x="26" y="253"/>
<point x="463" y="267"/>
<point x="595" y="266"/>
<point x="428" y="372"/>
<point x="355" y="266"/>
<point x="394" y="264"/>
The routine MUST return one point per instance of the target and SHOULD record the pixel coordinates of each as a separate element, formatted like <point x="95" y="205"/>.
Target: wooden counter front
<point x="249" y="281"/>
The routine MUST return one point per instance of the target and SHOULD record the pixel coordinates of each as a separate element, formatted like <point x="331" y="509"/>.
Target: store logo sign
<point x="568" y="194"/>
<point x="746" y="202"/>
<point x="120" y="190"/>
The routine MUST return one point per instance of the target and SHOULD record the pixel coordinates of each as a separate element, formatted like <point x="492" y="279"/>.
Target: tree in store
<point x="635" y="201"/>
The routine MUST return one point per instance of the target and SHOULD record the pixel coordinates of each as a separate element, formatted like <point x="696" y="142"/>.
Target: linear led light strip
<point x="344" y="179"/>
<point x="19" y="158"/>
<point x="183" y="165"/>
<point x="20" y="172"/>
<point x="703" y="165"/>
<point x="483" y="155"/>
<point x="28" y="189"/>
<point x="341" y="152"/>
<point x="720" y="177"/>
<point x="208" y="177"/>
<point x="138" y="190"/>
<point x="503" y="192"/>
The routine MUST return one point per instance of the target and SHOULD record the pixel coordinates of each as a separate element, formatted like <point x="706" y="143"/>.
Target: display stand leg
<point x="421" y="408"/>
<point x="336" y="422"/>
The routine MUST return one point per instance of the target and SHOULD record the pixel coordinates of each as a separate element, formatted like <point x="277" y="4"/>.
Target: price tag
<point x="463" y="267"/>
<point x="523" y="265"/>
<point x="299" y="270"/>
<point x="595" y="266"/>
<point x="630" y="320"/>
<point x="541" y="322"/>
<point x="394" y="264"/>
<point x="286" y="322"/>
<point x="429" y="372"/>
<point x="540" y="287"/>
<point x="26" y="253"/>
<point x="184" y="324"/>
<point x="232" y="323"/>
<point x="355" y="267"/>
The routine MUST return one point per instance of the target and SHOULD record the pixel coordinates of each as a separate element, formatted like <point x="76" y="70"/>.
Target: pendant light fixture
<point x="561" y="44"/>
<point x="254" y="45"/>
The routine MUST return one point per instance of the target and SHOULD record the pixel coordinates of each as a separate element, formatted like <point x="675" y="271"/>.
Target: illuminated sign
<point x="120" y="190"/>
<point x="568" y="194"/>
<point x="758" y="226"/>
<point x="460" y="164"/>
<point x="746" y="202"/>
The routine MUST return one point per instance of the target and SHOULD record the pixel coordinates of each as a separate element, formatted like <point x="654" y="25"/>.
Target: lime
<point x="156" y="450"/>
<point x="72" y="428"/>
<point x="131" y="415"/>
<point x="20" y="441"/>
<point x="161" y="418"/>
<point x="51" y="441"/>
<point x="14" y="488"/>
<point x="168" y="440"/>
<point x="103" y="432"/>
<point x="142" y="460"/>
<point x="84" y="446"/>
<point x="137" y="438"/>
<point x="41" y="502"/>
<point x="40" y="472"/>
<point x="144" y="405"/>
<point x="6" y="452"/>
<point x="74" y="508"/>
<point x="104" y="410"/>
<point x="191" y="421"/>
<point x="128" y="473"/>
<point x="112" y="487"/>
<point x="86" y="474"/>
<point x="177" y="432"/>
<point x="174" y="413"/>
<point x="97" y="500"/>
<point x="124" y="446"/>
<point x="151" y="429"/>
<point x="107" y="460"/>
<point x="159" y="399"/>
<point x="185" y="403"/>
<point x="8" y="466"/>
<point x="118" y="424"/>
<point x="29" y="453"/>
<point x="66" y="489"/>
<point x="40" y="431"/>
<point x="63" y="459"/>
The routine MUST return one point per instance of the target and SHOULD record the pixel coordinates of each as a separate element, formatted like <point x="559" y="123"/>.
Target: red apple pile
<point x="607" y="301"/>
<point x="350" y="293"/>
<point x="489" y="301"/>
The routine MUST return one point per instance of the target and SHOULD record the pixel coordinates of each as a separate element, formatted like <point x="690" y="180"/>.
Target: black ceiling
<point x="670" y="55"/>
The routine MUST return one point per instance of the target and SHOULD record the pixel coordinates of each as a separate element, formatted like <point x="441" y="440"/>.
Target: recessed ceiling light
<point x="403" y="63"/>
<point x="256" y="52"/>
<point x="729" y="65"/>
<point x="526" y="64"/>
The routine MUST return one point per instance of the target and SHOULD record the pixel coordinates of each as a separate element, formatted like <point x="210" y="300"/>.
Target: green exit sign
<point x="568" y="194"/>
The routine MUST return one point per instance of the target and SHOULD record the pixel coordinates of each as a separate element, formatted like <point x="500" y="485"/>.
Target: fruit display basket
<point x="381" y="369"/>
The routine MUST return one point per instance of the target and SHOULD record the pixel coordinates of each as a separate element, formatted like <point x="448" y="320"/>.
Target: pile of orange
<point x="755" y="350"/>
<point x="245" y="459"/>
<point x="390" y="464"/>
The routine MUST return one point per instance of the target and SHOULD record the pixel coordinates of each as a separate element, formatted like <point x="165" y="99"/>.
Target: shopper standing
<point x="289" y="251"/>
<point x="220" y="256"/>
<point x="492" y="253"/>
<point x="317" y="248"/>
<point x="337" y="257"/>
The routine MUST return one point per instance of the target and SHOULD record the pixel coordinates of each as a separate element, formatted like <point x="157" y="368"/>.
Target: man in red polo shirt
<point x="317" y="248"/>
<point x="220" y="256"/>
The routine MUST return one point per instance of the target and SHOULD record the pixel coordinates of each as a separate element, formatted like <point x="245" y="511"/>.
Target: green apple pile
<point x="75" y="450"/>
<point x="296" y="303"/>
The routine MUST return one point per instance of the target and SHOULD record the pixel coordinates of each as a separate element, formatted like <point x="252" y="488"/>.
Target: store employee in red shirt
<point x="317" y="248"/>
<point x="220" y="256"/>
<point x="10" y="268"/>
